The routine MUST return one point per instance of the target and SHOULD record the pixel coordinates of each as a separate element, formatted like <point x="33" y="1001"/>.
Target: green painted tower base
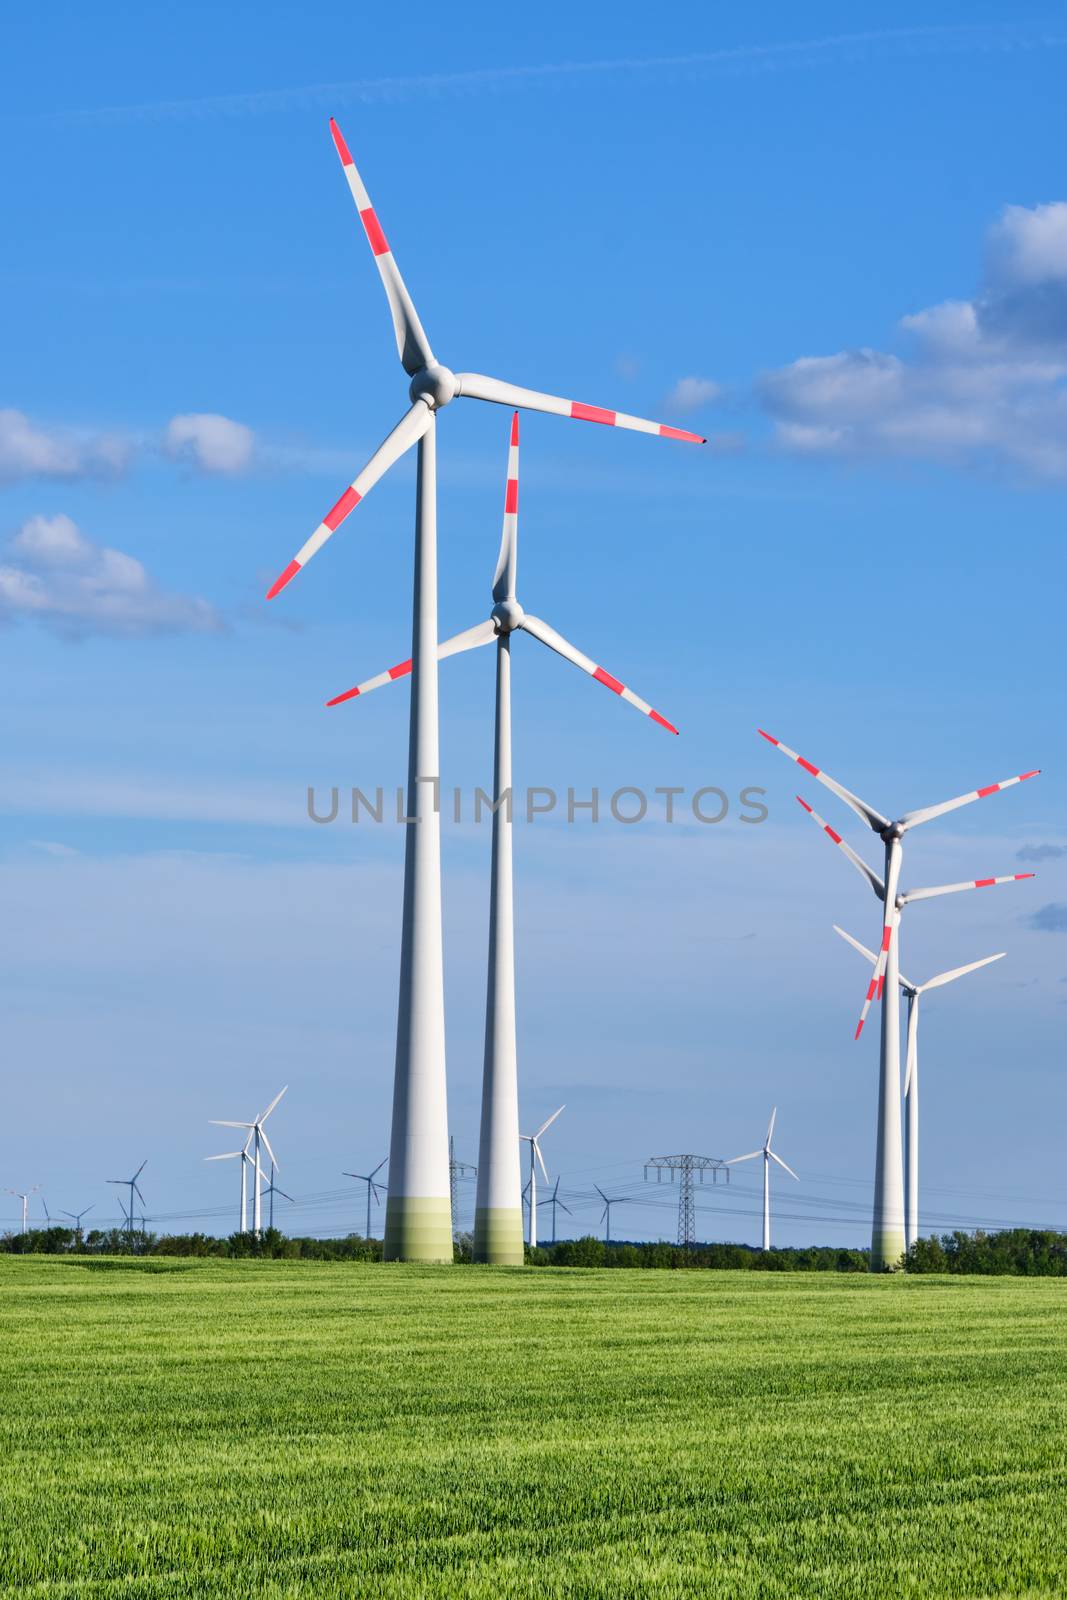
<point x="498" y="1237"/>
<point x="887" y="1250"/>
<point x="417" y="1230"/>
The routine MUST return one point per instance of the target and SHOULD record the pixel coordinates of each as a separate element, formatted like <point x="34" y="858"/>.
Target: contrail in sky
<point x="948" y="40"/>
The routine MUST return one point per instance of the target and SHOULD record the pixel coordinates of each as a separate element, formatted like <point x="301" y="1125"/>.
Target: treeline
<point x="1016" y="1252"/>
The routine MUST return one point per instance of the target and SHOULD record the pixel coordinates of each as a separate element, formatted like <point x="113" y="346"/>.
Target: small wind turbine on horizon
<point x="418" y="1220"/>
<point x="135" y="1189"/>
<point x="76" y="1216"/>
<point x="768" y="1155"/>
<point x="24" y="1196"/>
<point x="914" y="992"/>
<point x="555" y="1202"/>
<point x="272" y="1189"/>
<point x="259" y="1142"/>
<point x="888" y="1243"/>
<point x="373" y="1188"/>
<point x="609" y="1201"/>
<point x="534" y="1141"/>
<point x="498" y="1203"/>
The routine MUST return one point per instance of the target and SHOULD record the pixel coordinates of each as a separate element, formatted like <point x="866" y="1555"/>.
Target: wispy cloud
<point x="38" y="450"/>
<point x="60" y="578"/>
<point x="1041" y="852"/>
<point x="1051" y="918"/>
<point x="209" y="442"/>
<point x="690" y="394"/>
<point x="788" y="55"/>
<point x="984" y="380"/>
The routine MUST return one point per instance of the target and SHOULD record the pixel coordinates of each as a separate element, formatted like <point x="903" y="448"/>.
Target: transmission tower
<point x="456" y="1169"/>
<point x="685" y="1166"/>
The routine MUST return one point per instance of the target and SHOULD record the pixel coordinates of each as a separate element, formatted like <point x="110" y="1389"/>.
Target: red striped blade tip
<point x="514" y="427"/>
<point x="663" y="722"/>
<point x="339" y="141"/>
<point x="287" y="576"/>
<point x="768" y="736"/>
<point x="667" y="432"/>
<point x="349" y="694"/>
<point x="802" y="802"/>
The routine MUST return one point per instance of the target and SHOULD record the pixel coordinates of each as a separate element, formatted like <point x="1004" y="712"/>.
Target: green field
<point x="297" y="1429"/>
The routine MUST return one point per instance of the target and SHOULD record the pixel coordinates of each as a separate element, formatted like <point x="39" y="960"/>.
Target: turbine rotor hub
<point x="507" y="615"/>
<point x="436" y="385"/>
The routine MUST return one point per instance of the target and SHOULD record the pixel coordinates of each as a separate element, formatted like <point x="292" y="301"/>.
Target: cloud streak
<point x="34" y="450"/>
<point x="788" y="55"/>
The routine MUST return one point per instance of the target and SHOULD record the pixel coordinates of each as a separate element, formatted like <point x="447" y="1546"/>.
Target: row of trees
<point x="1022" y="1252"/>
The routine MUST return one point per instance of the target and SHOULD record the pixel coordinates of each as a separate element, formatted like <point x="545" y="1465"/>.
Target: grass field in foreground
<point x="295" y="1429"/>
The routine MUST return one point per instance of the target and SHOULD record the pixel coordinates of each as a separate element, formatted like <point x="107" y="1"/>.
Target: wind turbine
<point x="257" y="1138"/>
<point x="24" y="1196"/>
<point x="230" y="1155"/>
<point x="768" y="1155"/>
<point x="605" y="1215"/>
<point x="418" y="1222"/>
<point x="272" y="1189"/>
<point x="76" y="1217"/>
<point x="534" y="1140"/>
<point x="887" y="1233"/>
<point x="373" y="1188"/>
<point x="134" y="1188"/>
<point x="498" y="1203"/>
<point x="914" y="991"/>
<point x="554" y="1201"/>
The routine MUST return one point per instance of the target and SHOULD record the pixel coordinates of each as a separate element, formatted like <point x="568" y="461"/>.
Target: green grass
<point x="294" y="1429"/>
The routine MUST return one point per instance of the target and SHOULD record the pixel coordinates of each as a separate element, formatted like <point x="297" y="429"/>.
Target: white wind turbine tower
<point x="418" y="1215"/>
<point x="768" y="1155"/>
<point x="498" y="1206"/>
<point x="887" y="1232"/>
<point x="534" y="1140"/>
<point x="230" y="1155"/>
<point x="24" y="1196"/>
<point x="914" y="992"/>
<point x="259" y="1142"/>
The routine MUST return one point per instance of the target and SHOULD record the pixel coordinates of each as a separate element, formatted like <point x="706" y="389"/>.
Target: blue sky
<point x="841" y="253"/>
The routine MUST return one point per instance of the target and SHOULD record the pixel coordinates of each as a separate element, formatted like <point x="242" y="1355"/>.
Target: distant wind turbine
<point x="555" y="1202"/>
<point x="605" y="1215"/>
<point x="76" y="1217"/>
<point x="534" y="1141"/>
<point x="246" y="1161"/>
<point x="257" y="1138"/>
<point x="768" y="1156"/>
<point x="24" y="1196"/>
<point x="887" y="1232"/>
<point x="272" y="1189"/>
<point x="911" y="1074"/>
<point x="375" y="1189"/>
<point x="135" y="1189"/>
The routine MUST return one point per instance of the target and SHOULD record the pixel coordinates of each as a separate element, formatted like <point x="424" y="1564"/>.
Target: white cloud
<point x="689" y="394"/>
<point x="77" y="587"/>
<point x="985" y="381"/>
<point x="212" y="443"/>
<point x="31" y="450"/>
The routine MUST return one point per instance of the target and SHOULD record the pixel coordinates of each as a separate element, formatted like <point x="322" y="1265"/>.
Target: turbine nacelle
<point x="507" y="615"/>
<point x="436" y="385"/>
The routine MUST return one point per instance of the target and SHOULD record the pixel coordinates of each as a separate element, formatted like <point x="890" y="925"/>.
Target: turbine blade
<point x="504" y="576"/>
<point x="912" y="819"/>
<point x="550" y="1121"/>
<point x="913" y="1041"/>
<point x="408" y="431"/>
<point x="752" y="1154"/>
<point x="770" y="1125"/>
<point x="270" y="1152"/>
<point x="227" y="1155"/>
<point x="956" y="888"/>
<point x="862" y="948"/>
<point x="567" y="1209"/>
<point x="136" y="1175"/>
<point x="477" y="386"/>
<point x="283" y="1194"/>
<point x="216" y="1122"/>
<point x="273" y="1103"/>
<point x="412" y="345"/>
<point x="958" y="972"/>
<point x="380" y="1165"/>
<point x="556" y="642"/>
<point x="874" y="990"/>
<point x="541" y="1160"/>
<point x="874" y="819"/>
<point x="481" y="633"/>
<point x="782" y="1164"/>
<point x="857" y="861"/>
